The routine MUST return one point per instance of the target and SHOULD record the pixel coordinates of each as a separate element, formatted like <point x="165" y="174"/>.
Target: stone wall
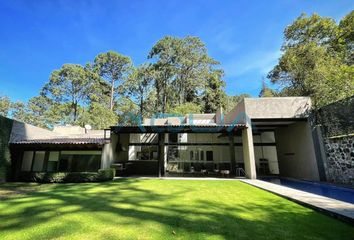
<point x="340" y="160"/>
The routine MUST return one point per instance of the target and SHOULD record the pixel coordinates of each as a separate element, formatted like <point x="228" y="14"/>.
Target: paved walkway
<point x="333" y="207"/>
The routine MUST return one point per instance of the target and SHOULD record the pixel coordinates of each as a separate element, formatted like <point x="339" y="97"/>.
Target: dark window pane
<point x="64" y="164"/>
<point x="79" y="163"/>
<point x="173" y="137"/>
<point x="209" y="155"/>
<point x="52" y="166"/>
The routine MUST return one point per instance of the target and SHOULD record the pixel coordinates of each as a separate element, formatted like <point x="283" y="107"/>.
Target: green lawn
<point x="158" y="209"/>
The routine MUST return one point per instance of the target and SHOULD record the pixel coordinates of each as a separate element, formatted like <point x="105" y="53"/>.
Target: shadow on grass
<point x="136" y="203"/>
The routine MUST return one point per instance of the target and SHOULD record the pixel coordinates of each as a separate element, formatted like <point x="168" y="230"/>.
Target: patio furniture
<point x="225" y="173"/>
<point x="240" y="172"/>
<point x="263" y="166"/>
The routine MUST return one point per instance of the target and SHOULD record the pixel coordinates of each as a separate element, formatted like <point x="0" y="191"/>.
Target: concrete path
<point x="333" y="207"/>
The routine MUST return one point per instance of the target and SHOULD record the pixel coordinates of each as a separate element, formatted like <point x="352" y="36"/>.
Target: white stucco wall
<point x="268" y="108"/>
<point x="296" y="154"/>
<point x="277" y="107"/>
<point x="109" y="153"/>
<point x="24" y="131"/>
<point x="236" y="115"/>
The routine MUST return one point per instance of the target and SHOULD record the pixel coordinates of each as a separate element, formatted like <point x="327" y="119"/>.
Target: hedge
<point x="5" y="160"/>
<point x="68" y="177"/>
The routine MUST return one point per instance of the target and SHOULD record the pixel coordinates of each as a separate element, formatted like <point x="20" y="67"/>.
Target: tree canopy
<point x="112" y="67"/>
<point x="5" y="105"/>
<point x="68" y="86"/>
<point x="179" y="76"/>
<point x="317" y="59"/>
<point x="183" y="73"/>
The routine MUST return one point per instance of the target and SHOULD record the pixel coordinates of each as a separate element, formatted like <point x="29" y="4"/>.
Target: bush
<point x="2" y="174"/>
<point x="108" y="174"/>
<point x="68" y="177"/>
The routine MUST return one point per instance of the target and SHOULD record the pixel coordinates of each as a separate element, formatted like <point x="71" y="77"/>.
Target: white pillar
<point x="248" y="152"/>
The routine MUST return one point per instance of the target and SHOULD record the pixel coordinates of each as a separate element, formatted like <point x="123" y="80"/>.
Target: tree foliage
<point x="112" y="67"/>
<point x="267" y="91"/>
<point x="178" y="77"/>
<point x="214" y="95"/>
<point x="345" y="39"/>
<point x="41" y="111"/>
<point x="183" y="71"/>
<point x="127" y="111"/>
<point x="98" y="116"/>
<point x="316" y="59"/>
<point x="5" y="105"/>
<point x="68" y="86"/>
<point x="139" y="85"/>
<point x="186" y="108"/>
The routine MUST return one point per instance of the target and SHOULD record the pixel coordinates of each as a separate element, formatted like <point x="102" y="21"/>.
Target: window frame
<point x="46" y="158"/>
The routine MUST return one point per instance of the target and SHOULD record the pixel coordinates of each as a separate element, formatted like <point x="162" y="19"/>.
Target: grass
<point x="158" y="209"/>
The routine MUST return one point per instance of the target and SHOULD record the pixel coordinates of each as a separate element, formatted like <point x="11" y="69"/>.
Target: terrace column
<point x="248" y="152"/>
<point x="161" y="154"/>
<point x="232" y="153"/>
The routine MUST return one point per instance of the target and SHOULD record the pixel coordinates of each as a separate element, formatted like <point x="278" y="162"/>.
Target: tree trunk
<point x="112" y="95"/>
<point x="164" y="98"/>
<point x="141" y="107"/>
<point x="180" y="97"/>
<point x="75" y="111"/>
<point x="164" y="103"/>
<point x="157" y="101"/>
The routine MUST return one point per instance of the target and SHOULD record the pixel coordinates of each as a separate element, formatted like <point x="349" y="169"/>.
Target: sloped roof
<point x="97" y="141"/>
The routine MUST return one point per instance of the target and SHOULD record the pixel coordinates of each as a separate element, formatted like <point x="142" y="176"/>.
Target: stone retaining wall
<point x="340" y="160"/>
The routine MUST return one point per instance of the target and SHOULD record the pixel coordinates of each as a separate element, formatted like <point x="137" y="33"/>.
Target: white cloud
<point x="224" y="41"/>
<point x="259" y="62"/>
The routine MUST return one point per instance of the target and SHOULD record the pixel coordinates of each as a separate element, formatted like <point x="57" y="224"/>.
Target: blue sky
<point x="37" y="37"/>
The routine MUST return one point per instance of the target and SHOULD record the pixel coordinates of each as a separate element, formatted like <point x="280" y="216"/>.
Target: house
<point x="260" y="136"/>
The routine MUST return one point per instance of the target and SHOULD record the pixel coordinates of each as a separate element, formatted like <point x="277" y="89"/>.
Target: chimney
<point x="219" y="116"/>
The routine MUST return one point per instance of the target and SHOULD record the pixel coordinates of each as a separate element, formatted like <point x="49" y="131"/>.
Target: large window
<point x="27" y="161"/>
<point x="64" y="161"/>
<point x="53" y="159"/>
<point x="33" y="161"/>
<point x="143" y="153"/>
<point x="79" y="161"/>
<point x="38" y="161"/>
<point x="143" y="146"/>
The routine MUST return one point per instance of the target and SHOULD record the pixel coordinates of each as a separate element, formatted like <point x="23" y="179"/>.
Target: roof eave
<point x="178" y="128"/>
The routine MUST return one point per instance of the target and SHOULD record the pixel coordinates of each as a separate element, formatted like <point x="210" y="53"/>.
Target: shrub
<point x="109" y="173"/>
<point x="68" y="177"/>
